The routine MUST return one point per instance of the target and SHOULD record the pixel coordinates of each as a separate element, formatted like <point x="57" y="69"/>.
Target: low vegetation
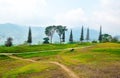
<point x="96" y="61"/>
<point x="33" y="48"/>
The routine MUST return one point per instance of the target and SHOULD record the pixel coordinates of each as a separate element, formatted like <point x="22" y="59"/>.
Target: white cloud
<point x="71" y="18"/>
<point x="108" y="15"/>
<point x="110" y="4"/>
<point x="104" y="16"/>
<point x="18" y="11"/>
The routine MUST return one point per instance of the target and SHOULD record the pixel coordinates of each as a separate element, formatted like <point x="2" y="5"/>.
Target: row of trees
<point x="107" y="37"/>
<point x="50" y="30"/>
<point x="81" y="37"/>
<point x="60" y="30"/>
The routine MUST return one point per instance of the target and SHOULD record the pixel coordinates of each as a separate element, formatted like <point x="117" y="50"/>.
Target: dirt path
<point x="66" y="69"/>
<point x="69" y="72"/>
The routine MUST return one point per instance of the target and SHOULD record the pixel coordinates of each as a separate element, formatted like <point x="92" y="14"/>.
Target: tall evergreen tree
<point x="71" y="37"/>
<point x="82" y="34"/>
<point x="88" y="35"/>
<point x="29" y="36"/>
<point x="100" y="35"/>
<point x="63" y="36"/>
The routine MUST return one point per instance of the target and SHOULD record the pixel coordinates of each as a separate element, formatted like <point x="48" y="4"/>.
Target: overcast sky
<point x="71" y="13"/>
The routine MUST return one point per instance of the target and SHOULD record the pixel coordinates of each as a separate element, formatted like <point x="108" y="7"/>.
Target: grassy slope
<point x="101" y="60"/>
<point x="89" y="62"/>
<point x="8" y="64"/>
<point x="17" y="49"/>
<point x="11" y="68"/>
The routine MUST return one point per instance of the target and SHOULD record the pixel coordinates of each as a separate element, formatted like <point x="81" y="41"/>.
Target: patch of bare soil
<point x="88" y="71"/>
<point x="51" y="73"/>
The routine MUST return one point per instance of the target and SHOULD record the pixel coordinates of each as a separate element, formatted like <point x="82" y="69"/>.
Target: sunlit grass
<point x="28" y="69"/>
<point x="87" y="62"/>
<point x="39" y="54"/>
<point x="33" y="48"/>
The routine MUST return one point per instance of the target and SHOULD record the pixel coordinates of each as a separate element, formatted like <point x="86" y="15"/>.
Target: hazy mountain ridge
<point x="20" y="33"/>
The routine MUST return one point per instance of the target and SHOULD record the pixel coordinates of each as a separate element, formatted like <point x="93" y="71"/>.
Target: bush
<point x="94" y="41"/>
<point x="115" y="39"/>
<point x="8" y="43"/>
<point x="46" y="40"/>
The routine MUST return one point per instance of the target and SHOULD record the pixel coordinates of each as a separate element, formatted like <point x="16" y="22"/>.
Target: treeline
<point x="61" y="31"/>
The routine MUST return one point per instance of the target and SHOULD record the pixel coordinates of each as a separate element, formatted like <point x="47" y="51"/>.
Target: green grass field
<point x="97" y="61"/>
<point x="33" y="48"/>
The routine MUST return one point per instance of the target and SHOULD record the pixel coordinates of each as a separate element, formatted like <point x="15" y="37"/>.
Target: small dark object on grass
<point x="37" y="59"/>
<point x="72" y="50"/>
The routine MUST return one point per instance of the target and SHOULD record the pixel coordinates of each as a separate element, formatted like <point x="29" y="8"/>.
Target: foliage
<point x="71" y="37"/>
<point x="115" y="39"/>
<point x="46" y="40"/>
<point x="8" y="43"/>
<point x="82" y="34"/>
<point x="94" y="41"/>
<point x="49" y="31"/>
<point x="100" y="35"/>
<point x="63" y="36"/>
<point x="29" y="36"/>
<point x="106" y="38"/>
<point x="88" y="35"/>
<point x="60" y="30"/>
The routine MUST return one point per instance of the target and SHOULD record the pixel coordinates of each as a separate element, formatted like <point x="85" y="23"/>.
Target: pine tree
<point x="88" y="35"/>
<point x="82" y="34"/>
<point x="71" y="37"/>
<point x="63" y="37"/>
<point x="29" y="36"/>
<point x="100" y="35"/>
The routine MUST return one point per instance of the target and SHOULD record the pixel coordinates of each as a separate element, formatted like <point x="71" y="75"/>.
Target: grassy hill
<point x="96" y="61"/>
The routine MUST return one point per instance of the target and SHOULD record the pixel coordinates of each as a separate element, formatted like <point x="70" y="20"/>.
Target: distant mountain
<point x="20" y="34"/>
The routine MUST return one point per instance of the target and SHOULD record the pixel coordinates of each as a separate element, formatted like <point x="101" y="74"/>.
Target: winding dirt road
<point x="68" y="71"/>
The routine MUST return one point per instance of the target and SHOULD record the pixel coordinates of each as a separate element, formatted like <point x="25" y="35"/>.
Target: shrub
<point x="94" y="41"/>
<point x="8" y="43"/>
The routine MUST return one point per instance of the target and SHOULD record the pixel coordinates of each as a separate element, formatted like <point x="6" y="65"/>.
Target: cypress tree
<point x="100" y="35"/>
<point x="88" y="35"/>
<point x="63" y="37"/>
<point x="71" y="37"/>
<point x="82" y="34"/>
<point x="29" y="36"/>
<point x="63" y="34"/>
